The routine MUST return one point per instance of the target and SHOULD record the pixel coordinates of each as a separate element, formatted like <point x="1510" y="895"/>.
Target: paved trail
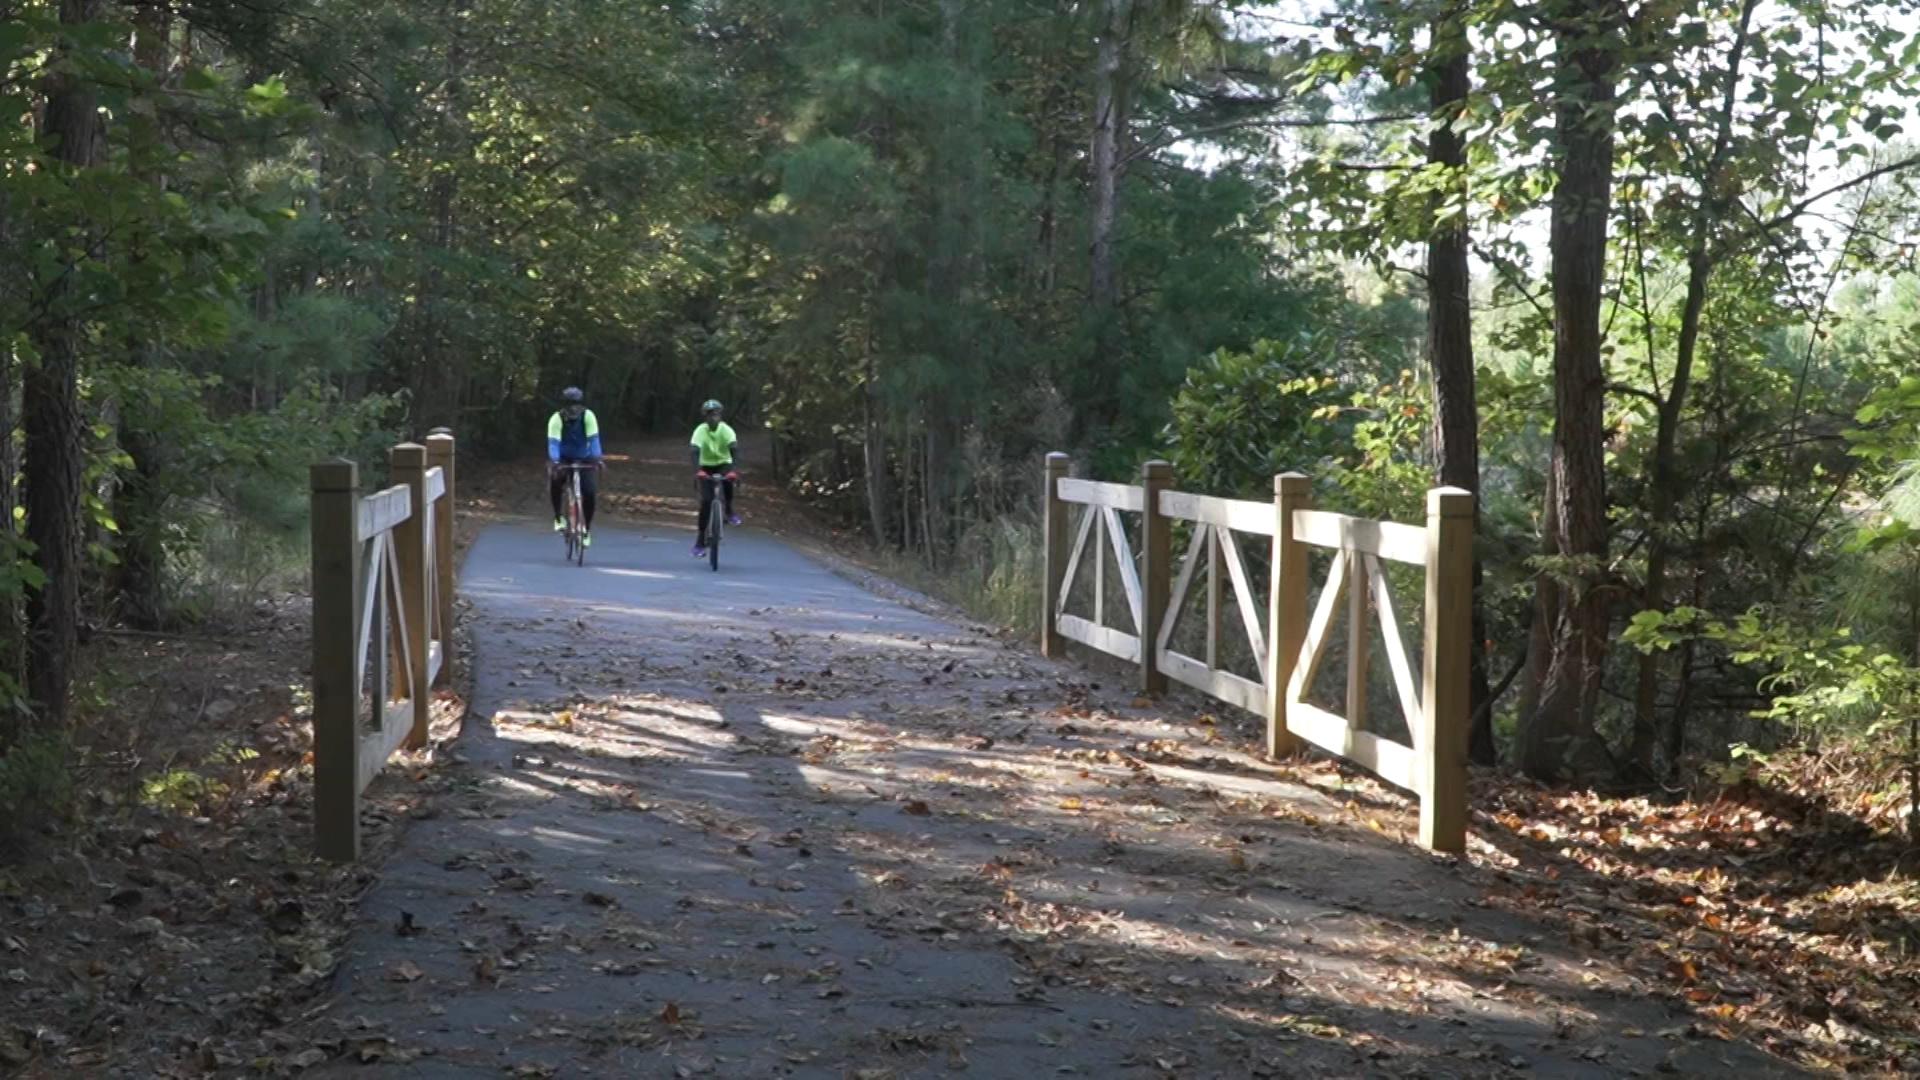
<point x="767" y="823"/>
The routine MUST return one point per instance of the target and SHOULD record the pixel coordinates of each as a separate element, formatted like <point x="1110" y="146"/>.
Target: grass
<point x="994" y="574"/>
<point x="229" y="564"/>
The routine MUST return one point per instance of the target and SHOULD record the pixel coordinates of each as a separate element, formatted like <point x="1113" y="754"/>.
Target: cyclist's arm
<point x="593" y="435"/>
<point x="694" y="445"/>
<point x="553" y="439"/>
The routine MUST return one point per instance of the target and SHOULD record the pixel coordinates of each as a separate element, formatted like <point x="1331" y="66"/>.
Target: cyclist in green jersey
<point x="712" y="443"/>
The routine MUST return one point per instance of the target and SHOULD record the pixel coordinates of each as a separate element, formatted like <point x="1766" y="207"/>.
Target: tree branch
<point x="1635" y="391"/>
<point x="1169" y="138"/>
<point x="1786" y="217"/>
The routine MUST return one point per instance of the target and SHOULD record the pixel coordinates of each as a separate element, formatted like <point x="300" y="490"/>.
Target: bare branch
<point x="1170" y="137"/>
<point x="1787" y="216"/>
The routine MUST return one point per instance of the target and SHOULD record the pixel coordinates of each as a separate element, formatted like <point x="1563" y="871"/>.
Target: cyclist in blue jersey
<point x="573" y="438"/>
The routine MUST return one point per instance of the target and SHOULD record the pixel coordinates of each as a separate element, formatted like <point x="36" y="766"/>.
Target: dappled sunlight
<point x="570" y="839"/>
<point x="612" y="571"/>
<point x="699" y="813"/>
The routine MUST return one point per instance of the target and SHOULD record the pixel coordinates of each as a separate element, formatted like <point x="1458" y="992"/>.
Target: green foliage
<point x="1241" y="417"/>
<point x="330" y="223"/>
<point x="1387" y="473"/>
<point x="1817" y="681"/>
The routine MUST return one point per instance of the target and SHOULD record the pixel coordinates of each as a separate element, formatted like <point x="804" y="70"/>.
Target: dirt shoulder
<point x="177" y="923"/>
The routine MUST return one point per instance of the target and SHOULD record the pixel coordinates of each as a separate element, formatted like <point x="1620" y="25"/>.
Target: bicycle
<point x="714" y="499"/>
<point x="574" y="514"/>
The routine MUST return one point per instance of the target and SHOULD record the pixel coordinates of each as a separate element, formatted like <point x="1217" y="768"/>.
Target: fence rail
<point x="382" y="624"/>
<point x="1291" y="644"/>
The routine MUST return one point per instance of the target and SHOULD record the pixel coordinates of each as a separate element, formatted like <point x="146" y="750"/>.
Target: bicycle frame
<point x="574" y="515"/>
<point x="713" y="497"/>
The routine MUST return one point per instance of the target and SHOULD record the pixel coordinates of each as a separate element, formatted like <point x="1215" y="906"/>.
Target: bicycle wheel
<point x="579" y="537"/>
<point x="714" y="513"/>
<point x="576" y="524"/>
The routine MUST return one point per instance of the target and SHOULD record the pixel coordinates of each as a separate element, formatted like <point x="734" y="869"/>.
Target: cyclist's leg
<point x="556" y="485"/>
<point x="727" y="486"/>
<point x="706" y="505"/>
<point x="589" y="494"/>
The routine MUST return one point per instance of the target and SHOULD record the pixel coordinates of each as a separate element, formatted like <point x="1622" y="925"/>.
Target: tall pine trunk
<point x="1456" y="429"/>
<point x="1109" y="127"/>
<point x="12" y="630"/>
<point x="874" y="447"/>
<point x="50" y="410"/>
<point x="1560" y="733"/>
<point x="140" y="499"/>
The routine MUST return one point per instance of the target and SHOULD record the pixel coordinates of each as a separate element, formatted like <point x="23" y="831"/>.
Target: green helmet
<point x="710" y="406"/>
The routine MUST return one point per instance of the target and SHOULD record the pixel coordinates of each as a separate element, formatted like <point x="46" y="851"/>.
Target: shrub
<point x="36" y="785"/>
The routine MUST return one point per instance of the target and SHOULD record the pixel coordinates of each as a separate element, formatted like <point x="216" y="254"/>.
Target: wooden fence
<point x="1287" y="646"/>
<point x="382" y="617"/>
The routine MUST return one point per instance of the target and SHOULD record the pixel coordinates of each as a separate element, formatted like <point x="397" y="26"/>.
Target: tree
<point x="50" y="386"/>
<point x="1449" y="345"/>
<point x="1588" y="43"/>
<point x="1112" y="106"/>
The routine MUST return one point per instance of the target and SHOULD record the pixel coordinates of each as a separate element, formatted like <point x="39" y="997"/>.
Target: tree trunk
<point x="1587" y="54"/>
<point x="937" y="495"/>
<point x="1047" y="273"/>
<point x="12" y="631"/>
<point x="140" y="497"/>
<point x="1665" y="482"/>
<point x="139" y="508"/>
<point x="1456" y="429"/>
<point x="1109" y="125"/>
<point x="906" y="489"/>
<point x="435" y="376"/>
<point x="875" y="451"/>
<point x="50" y="413"/>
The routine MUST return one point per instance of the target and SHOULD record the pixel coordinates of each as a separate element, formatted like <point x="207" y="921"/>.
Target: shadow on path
<point x="764" y="823"/>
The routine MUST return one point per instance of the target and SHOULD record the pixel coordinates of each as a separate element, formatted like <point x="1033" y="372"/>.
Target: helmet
<point x="572" y="393"/>
<point x="710" y="406"/>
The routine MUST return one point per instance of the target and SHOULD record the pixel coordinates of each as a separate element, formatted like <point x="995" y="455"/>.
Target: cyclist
<point x="573" y="438"/>
<point x="712" y="443"/>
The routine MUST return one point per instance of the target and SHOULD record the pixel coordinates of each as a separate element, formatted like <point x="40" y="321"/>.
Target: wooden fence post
<point x="408" y="465"/>
<point x="440" y="448"/>
<point x="1286" y="608"/>
<point x="1054" y="525"/>
<point x="1156" y="577"/>
<point x="1445" y="701"/>
<point x="337" y="599"/>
